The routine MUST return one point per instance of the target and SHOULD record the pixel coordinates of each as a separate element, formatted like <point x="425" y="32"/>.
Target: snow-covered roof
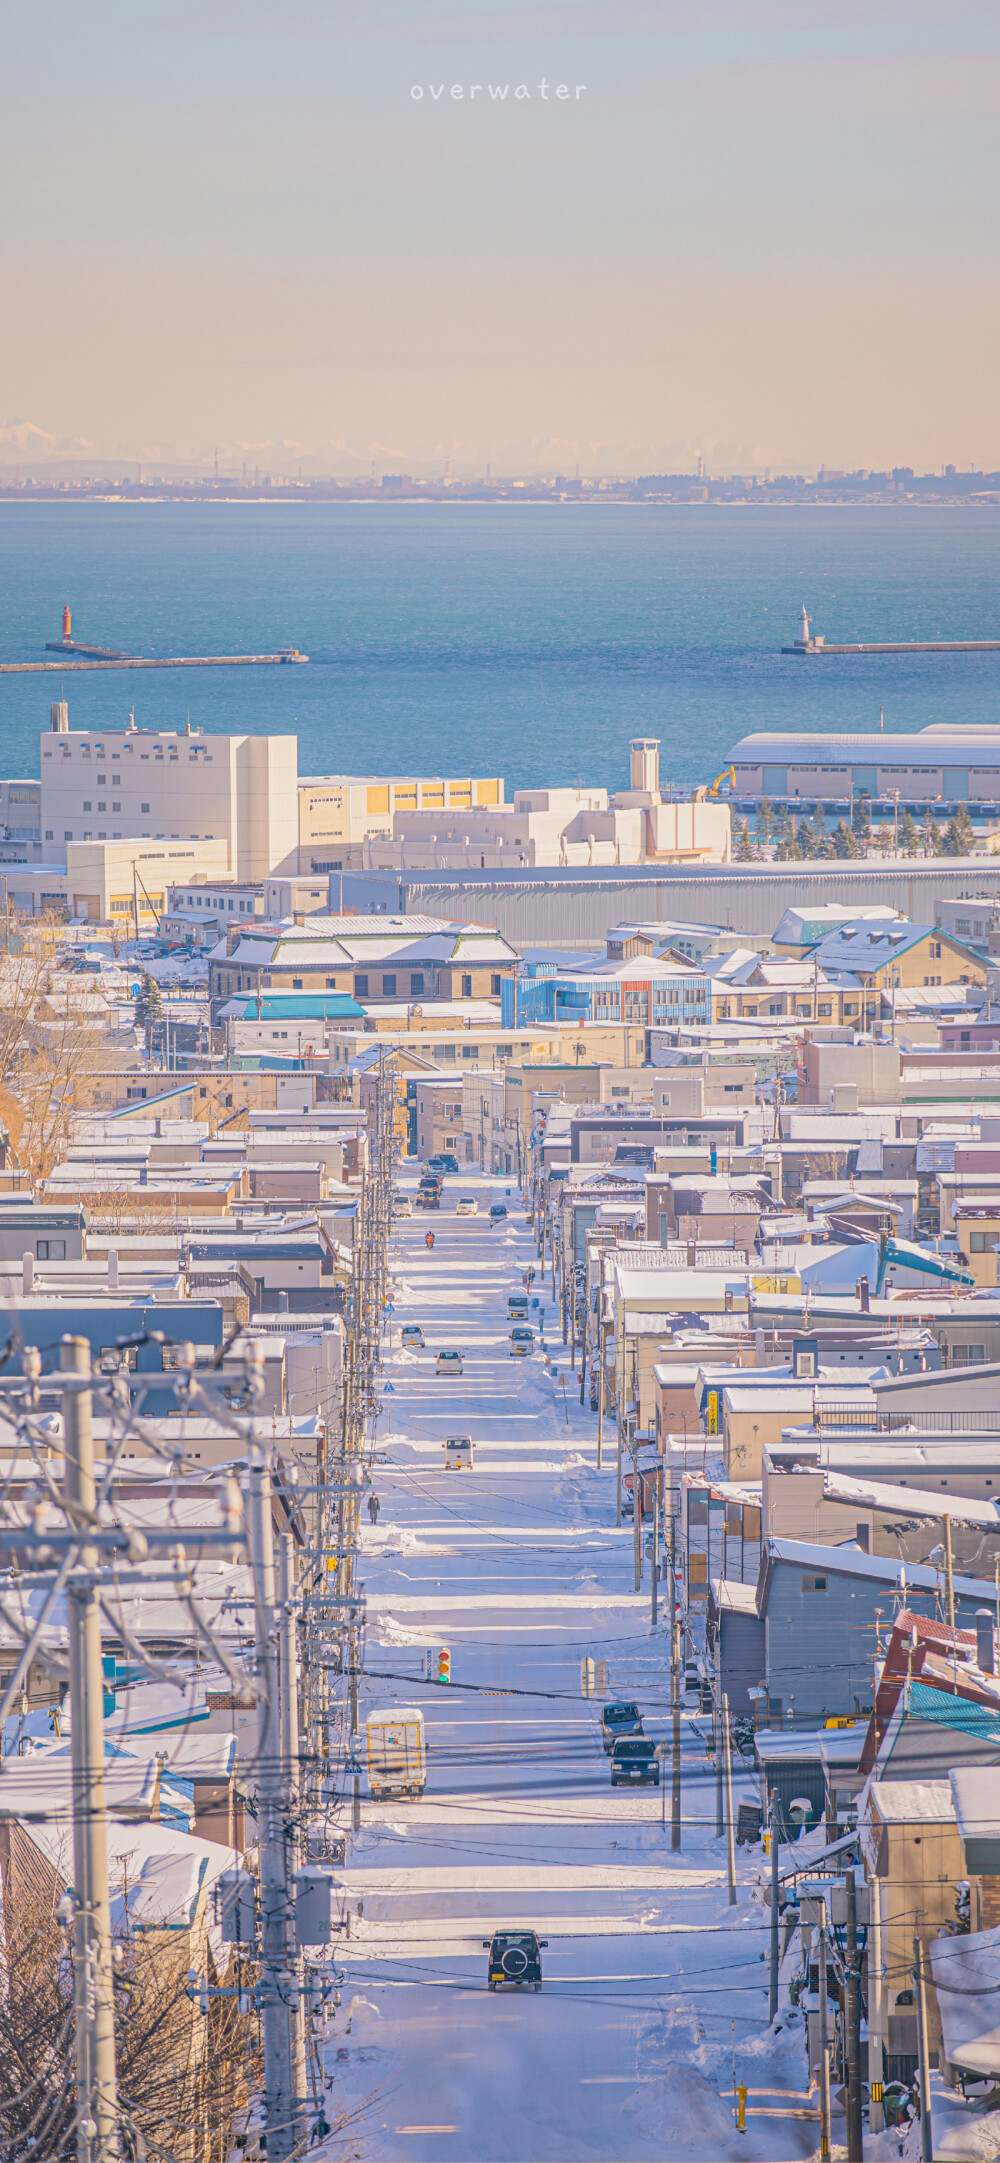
<point x="913" y="1802"/>
<point x="966" y="1972"/>
<point x="914" y="1501"/>
<point x="739" y="1599"/>
<point x="976" y="1795"/>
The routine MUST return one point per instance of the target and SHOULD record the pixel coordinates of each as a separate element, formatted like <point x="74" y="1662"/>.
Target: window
<point x="388" y="986"/>
<point x="466" y="987"/>
<point x="67" y="835"/>
<point x="296" y="983"/>
<point x="814" y="1584"/>
<point x="495" y="982"/>
<point x="116" y="807"/>
<point x="88" y="806"/>
<point x="967" y="1355"/>
<point x="145" y="808"/>
<point x="50" y="1250"/>
<point x="980" y="1243"/>
<point x="361" y="986"/>
<point x="49" y="836"/>
<point x="824" y="1007"/>
<point x="113" y="1358"/>
<point x="416" y="984"/>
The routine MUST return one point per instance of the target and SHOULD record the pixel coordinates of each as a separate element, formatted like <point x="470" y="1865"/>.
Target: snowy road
<point x="651" y="1979"/>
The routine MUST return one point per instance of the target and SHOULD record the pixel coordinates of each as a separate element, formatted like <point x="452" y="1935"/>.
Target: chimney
<point x="27" y="1274"/>
<point x="864" y="1295"/>
<point x="59" y="717"/>
<point x="985" y="1641"/>
<point x="691" y="1256"/>
<point x="282" y="1302"/>
<point x="644" y="765"/>
<point x="112" y="1269"/>
<point x="759" y="1354"/>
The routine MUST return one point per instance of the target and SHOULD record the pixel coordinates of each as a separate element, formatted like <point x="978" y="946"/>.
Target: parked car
<point x="449" y="1162"/>
<point x="459" y="1455"/>
<point x="498" y="1211"/>
<point x="634" y="1760"/>
<point x="467" y="1206"/>
<point x="617" y="1720"/>
<point x="517" y="1306"/>
<point x="515" y="1957"/>
<point x="412" y="1337"/>
<point x="448" y="1363"/>
<point x="404" y="1206"/>
<point x="522" y="1342"/>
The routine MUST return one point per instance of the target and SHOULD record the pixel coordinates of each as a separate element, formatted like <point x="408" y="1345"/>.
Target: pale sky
<point x="764" y="231"/>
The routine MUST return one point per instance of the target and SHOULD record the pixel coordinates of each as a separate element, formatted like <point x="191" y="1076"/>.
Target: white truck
<point x="397" y="1759"/>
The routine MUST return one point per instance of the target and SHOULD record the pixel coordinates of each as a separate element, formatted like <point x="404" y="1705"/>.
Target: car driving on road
<point x="413" y="1337"/>
<point x="515" y="1958"/>
<point x="521" y="1342"/>
<point x="633" y="1760"/>
<point x="619" y="1719"/>
<point x="517" y="1306"/>
<point x="498" y="1211"/>
<point x="467" y="1206"/>
<point x="459" y="1455"/>
<point x="448" y="1363"/>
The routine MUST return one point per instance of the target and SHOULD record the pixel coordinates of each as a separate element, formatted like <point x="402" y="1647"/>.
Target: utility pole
<point x="824" y="2039"/>
<point x="675" y="1708"/>
<point x="772" y="1995"/>
<point x="290" y="1772"/>
<point x="920" y="1993"/>
<point x="636" y="1512"/>
<point x="720" y="1818"/>
<point x="727" y="1748"/>
<point x="93" y="1992"/>
<point x="601" y="1348"/>
<point x="284" y="2109"/>
<point x="655" y="1558"/>
<point x="852" y="2009"/>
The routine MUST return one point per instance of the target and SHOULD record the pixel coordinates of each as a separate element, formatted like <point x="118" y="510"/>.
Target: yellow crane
<point x="714" y="788"/>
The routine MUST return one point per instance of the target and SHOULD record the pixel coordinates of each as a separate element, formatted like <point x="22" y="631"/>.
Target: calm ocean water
<point x="530" y="642"/>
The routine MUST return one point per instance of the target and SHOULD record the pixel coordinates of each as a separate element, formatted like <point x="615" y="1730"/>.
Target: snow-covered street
<point x="653" y="1985"/>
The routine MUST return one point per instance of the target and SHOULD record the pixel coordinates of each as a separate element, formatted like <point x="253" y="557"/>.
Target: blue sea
<point x="530" y="641"/>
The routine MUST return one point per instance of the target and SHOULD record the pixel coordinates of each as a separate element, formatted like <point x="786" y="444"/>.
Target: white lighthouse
<point x="804" y="641"/>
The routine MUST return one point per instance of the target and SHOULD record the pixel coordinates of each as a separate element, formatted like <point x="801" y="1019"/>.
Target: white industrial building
<point x="943" y="764"/>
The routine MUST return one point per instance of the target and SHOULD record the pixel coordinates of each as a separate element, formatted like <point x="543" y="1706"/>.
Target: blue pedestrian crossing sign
<point x="389" y="1390"/>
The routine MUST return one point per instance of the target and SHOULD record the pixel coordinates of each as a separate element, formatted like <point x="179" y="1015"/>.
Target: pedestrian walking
<point x="374" y="1506"/>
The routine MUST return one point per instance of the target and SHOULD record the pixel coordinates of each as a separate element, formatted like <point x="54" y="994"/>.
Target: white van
<point x="459" y="1455"/>
<point x="397" y="1762"/>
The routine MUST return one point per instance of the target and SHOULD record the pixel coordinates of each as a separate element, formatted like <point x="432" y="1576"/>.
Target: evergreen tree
<point x="742" y="844"/>
<point x="862" y="824"/>
<point x="765" y="818"/>
<point x="930" y="834"/>
<point x="844" y="843"/>
<point x="908" y="835"/>
<point x="959" y="839"/>
<point x="884" y="839"/>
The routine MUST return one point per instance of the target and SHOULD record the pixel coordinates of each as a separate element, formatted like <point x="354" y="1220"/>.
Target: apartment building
<point x="169" y="785"/>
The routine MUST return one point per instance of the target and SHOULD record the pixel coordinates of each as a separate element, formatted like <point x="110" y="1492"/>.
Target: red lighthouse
<point x="67" y="627"/>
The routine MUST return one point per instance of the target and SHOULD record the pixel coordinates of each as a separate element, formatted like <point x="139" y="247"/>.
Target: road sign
<point x="389" y="1390"/>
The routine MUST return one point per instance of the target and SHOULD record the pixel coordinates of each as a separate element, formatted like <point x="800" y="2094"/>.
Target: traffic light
<point x="444" y="1664"/>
